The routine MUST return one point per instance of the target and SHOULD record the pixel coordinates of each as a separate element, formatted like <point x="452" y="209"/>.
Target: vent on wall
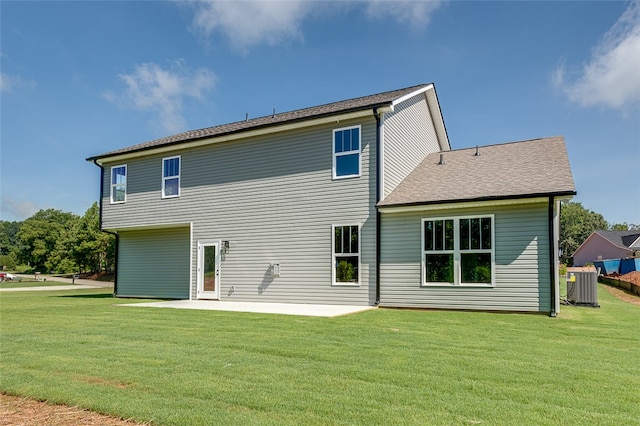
<point x="582" y="286"/>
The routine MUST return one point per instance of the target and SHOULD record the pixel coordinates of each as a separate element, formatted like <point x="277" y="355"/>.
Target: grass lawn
<point x="182" y="367"/>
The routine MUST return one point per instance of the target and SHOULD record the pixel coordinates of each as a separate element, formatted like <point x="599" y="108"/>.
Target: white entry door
<point x="209" y="270"/>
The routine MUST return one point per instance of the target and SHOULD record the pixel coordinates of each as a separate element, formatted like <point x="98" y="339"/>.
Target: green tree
<point x="576" y="224"/>
<point x="625" y="227"/>
<point x="9" y="243"/>
<point x="8" y="236"/>
<point x="94" y="250"/>
<point x="46" y="239"/>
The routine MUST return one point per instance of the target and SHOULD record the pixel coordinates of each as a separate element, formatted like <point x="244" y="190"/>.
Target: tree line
<point x="61" y="242"/>
<point x="54" y="241"/>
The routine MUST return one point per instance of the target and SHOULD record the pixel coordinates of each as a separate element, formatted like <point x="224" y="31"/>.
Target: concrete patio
<point x="300" y="309"/>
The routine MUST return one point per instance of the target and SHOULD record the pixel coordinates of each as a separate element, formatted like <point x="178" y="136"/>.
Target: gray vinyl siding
<point x="409" y="136"/>
<point x="154" y="263"/>
<point x="522" y="281"/>
<point x="273" y="198"/>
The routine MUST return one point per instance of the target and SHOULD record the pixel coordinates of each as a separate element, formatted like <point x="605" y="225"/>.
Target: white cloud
<point x="14" y="210"/>
<point x="250" y="23"/>
<point x="9" y="83"/>
<point x="416" y="14"/>
<point x="612" y="75"/>
<point x="153" y="88"/>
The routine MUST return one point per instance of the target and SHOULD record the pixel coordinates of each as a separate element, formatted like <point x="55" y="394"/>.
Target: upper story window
<point x="346" y="254"/>
<point x="458" y="251"/>
<point x="118" y="184"/>
<point x="346" y="152"/>
<point x="171" y="177"/>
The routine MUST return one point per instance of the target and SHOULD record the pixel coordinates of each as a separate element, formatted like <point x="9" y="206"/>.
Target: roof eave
<point x="249" y="131"/>
<point x="487" y="199"/>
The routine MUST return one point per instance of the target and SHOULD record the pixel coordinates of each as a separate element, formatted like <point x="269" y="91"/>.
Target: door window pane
<point x="209" y="272"/>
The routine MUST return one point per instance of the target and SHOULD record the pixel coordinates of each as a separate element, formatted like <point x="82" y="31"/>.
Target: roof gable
<point x="624" y="239"/>
<point x="385" y="99"/>
<point x="532" y="168"/>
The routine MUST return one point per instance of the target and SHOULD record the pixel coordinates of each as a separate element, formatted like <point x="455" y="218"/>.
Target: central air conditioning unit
<point x="582" y="286"/>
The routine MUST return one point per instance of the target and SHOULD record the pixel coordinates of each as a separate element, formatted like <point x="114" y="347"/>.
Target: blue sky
<point x="85" y="77"/>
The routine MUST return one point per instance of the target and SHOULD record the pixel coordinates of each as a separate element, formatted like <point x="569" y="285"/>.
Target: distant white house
<point x="602" y="245"/>
<point x="358" y="202"/>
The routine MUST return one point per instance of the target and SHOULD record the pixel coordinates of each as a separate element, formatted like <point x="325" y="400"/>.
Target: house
<point x="601" y="245"/>
<point x="358" y="202"/>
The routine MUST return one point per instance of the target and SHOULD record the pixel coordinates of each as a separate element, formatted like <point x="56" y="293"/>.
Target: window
<point x="346" y="152"/>
<point x="346" y="254"/>
<point x="171" y="177"/>
<point x="458" y="251"/>
<point x="439" y="251"/>
<point x="118" y="184"/>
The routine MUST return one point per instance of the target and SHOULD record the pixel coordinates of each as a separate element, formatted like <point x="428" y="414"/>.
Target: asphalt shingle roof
<point x="620" y="238"/>
<point x="536" y="167"/>
<point x="335" y="108"/>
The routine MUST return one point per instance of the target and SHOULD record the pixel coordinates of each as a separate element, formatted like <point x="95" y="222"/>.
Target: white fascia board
<point x="411" y="95"/>
<point x="238" y="135"/>
<point x="436" y="114"/>
<point x="461" y="205"/>
<point x="438" y="120"/>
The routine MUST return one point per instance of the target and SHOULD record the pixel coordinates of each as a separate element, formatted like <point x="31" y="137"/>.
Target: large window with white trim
<point x="346" y="152"/>
<point x="458" y="251"/>
<point x="171" y="177"/>
<point x="118" y="184"/>
<point x="346" y="254"/>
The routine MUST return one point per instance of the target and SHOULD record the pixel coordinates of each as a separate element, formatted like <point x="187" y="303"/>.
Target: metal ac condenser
<point x="582" y="286"/>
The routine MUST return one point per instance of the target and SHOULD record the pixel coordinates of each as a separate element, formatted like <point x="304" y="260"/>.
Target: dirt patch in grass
<point x="21" y="411"/>
<point x="623" y="294"/>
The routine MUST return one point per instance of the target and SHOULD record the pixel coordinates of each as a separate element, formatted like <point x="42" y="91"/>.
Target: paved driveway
<point x="65" y="284"/>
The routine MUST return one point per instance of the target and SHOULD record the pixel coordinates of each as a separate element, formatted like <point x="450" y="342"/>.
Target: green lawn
<point x="182" y="367"/>
<point x="29" y="283"/>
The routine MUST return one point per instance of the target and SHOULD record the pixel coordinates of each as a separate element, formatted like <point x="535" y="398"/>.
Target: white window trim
<point x="457" y="266"/>
<point x="113" y="185"/>
<point x="164" y="179"/>
<point x="333" y="256"/>
<point x="340" y="154"/>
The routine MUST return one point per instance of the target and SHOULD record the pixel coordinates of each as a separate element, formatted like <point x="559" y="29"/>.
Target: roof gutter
<point x="420" y="205"/>
<point x="115" y="234"/>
